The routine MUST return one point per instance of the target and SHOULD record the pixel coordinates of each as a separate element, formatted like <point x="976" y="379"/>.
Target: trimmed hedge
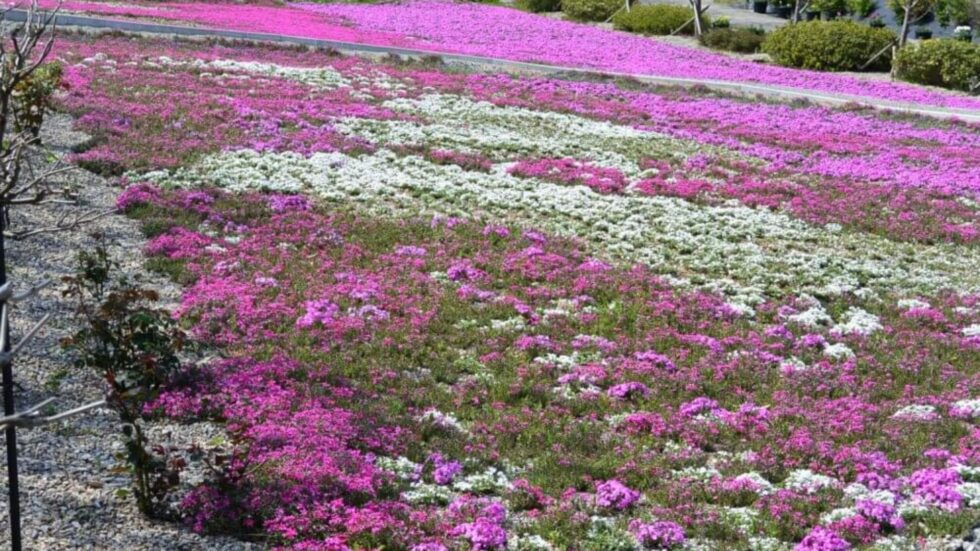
<point x="940" y="62"/>
<point x="829" y="46"/>
<point x="745" y="41"/>
<point x="540" y="6"/>
<point x="659" y="19"/>
<point x="591" y="10"/>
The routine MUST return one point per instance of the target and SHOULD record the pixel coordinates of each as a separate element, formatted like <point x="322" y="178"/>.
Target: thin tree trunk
<point x="905" y="23"/>
<point x="698" y="23"/>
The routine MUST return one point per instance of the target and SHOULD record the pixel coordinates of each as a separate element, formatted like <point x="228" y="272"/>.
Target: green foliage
<point x="658" y="19"/>
<point x="32" y="97"/>
<point x="745" y="40"/>
<point x="133" y="346"/>
<point x="942" y="62"/>
<point x="829" y="45"/>
<point x="834" y="7"/>
<point x="539" y="6"/>
<point x="920" y="9"/>
<point x="862" y="8"/>
<point x="590" y="10"/>
<point x="956" y="12"/>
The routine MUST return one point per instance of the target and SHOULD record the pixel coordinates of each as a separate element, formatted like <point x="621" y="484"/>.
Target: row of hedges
<point x="847" y="45"/>
<point x="820" y="45"/>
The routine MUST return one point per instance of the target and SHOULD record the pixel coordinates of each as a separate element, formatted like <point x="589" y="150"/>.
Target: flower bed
<point x="464" y="311"/>
<point x="505" y="33"/>
<point x="444" y="384"/>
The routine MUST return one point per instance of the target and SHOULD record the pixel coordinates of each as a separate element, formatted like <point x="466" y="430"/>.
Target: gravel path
<point x="70" y="494"/>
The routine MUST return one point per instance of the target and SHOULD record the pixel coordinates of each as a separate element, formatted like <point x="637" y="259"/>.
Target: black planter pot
<point x="784" y="11"/>
<point x="925" y="34"/>
<point x="811" y="15"/>
<point x="759" y="7"/>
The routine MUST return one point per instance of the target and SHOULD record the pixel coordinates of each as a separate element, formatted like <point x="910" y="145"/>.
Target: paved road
<point x="777" y="92"/>
<point x="740" y="17"/>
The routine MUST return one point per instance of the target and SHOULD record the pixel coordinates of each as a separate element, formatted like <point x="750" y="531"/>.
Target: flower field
<point x="503" y="33"/>
<point x="462" y="311"/>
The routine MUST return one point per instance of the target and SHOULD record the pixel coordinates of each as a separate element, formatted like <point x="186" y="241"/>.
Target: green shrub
<point x="829" y="45"/>
<point x="656" y="19"/>
<point x="539" y="6"/>
<point x="746" y="41"/>
<point x="941" y="62"/>
<point x="590" y="10"/>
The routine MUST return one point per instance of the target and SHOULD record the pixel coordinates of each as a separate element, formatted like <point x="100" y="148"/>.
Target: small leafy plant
<point x="133" y="345"/>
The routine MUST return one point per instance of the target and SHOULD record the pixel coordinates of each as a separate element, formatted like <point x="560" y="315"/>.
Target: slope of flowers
<point x="505" y="33"/>
<point x="444" y="384"/>
<point x="476" y="312"/>
<point x="698" y="188"/>
<point x="420" y="384"/>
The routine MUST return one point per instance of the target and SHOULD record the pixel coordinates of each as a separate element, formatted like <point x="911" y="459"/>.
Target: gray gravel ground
<point x="70" y="495"/>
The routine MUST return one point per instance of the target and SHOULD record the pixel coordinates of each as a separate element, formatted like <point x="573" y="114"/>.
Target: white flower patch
<point x="805" y="480"/>
<point x="515" y="323"/>
<point x="697" y="474"/>
<point x="970" y="492"/>
<point x="857" y="491"/>
<point x="763" y="543"/>
<point x="967" y="408"/>
<point x="528" y="542"/>
<point x="858" y="322"/>
<point x="404" y="468"/>
<point x="896" y="542"/>
<point x="835" y="515"/>
<point x="912" y="304"/>
<point x="442" y="420"/>
<point x="507" y="133"/>
<point x="813" y="317"/>
<point x="319" y="77"/>
<point x="742" y="518"/>
<point x="838" y="351"/>
<point x="747" y="252"/>
<point x="428" y="494"/>
<point x="567" y="362"/>
<point x="916" y="413"/>
<point x="972" y="331"/>
<point x="490" y="481"/>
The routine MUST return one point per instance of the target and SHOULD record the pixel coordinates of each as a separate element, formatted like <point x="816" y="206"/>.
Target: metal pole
<point x="8" y="399"/>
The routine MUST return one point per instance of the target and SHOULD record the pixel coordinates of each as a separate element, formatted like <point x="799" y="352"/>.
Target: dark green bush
<point x="656" y="19"/>
<point x="829" y="45"/>
<point x="941" y="62"/>
<point x="539" y="6"/>
<point x="746" y="41"/>
<point x="591" y="10"/>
